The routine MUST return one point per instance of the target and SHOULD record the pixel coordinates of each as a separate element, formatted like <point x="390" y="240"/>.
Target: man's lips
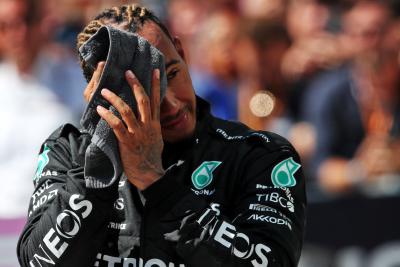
<point x="171" y="121"/>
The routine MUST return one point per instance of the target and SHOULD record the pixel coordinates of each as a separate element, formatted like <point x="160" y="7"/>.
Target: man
<point x="27" y="105"/>
<point x="196" y="190"/>
<point x="355" y="109"/>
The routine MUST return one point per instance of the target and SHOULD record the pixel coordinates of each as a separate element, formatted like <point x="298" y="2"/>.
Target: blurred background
<point x="325" y="74"/>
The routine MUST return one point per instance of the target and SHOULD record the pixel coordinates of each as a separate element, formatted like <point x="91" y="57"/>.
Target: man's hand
<point x="94" y="81"/>
<point x="376" y="156"/>
<point x="140" y="140"/>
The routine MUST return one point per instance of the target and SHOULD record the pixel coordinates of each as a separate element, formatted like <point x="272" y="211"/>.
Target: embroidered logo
<point x="42" y="162"/>
<point x="283" y="173"/>
<point x="203" y="175"/>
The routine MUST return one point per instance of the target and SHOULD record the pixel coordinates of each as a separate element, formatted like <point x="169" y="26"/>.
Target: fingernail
<point x="105" y="91"/>
<point x="157" y="73"/>
<point x="130" y="74"/>
<point x="100" y="109"/>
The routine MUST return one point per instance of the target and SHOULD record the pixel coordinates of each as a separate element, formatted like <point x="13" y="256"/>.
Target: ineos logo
<point x="227" y="233"/>
<point x="66" y="219"/>
<point x="72" y="217"/>
<point x="67" y="214"/>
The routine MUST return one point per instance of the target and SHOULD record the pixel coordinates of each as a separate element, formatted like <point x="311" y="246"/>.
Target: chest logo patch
<point x="42" y="162"/>
<point x="283" y="173"/>
<point x="203" y="175"/>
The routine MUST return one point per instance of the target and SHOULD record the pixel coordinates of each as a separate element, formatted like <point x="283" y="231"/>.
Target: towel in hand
<point x="122" y="51"/>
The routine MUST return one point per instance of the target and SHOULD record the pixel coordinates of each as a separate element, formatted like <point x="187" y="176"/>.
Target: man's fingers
<point x="126" y="112"/>
<point x="155" y="95"/>
<point x="94" y="81"/>
<point x="116" y="124"/>
<point x="141" y="97"/>
<point x="97" y="73"/>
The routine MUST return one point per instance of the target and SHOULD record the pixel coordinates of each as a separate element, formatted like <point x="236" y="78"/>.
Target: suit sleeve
<point x="265" y="227"/>
<point x="66" y="220"/>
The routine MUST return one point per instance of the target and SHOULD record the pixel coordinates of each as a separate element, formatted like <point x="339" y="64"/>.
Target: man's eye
<point x="172" y="74"/>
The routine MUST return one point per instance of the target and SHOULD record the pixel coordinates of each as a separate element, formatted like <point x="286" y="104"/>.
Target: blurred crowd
<point x="324" y="74"/>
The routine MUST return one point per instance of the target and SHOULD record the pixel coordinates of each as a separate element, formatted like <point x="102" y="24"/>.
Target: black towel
<point x="122" y="51"/>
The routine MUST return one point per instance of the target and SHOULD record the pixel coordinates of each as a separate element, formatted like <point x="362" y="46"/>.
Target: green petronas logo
<point x="42" y="162"/>
<point x="203" y="175"/>
<point x="283" y="173"/>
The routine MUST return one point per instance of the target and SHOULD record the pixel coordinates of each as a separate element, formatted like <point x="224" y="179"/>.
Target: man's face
<point x="178" y="108"/>
<point x="13" y="30"/>
<point x="365" y="25"/>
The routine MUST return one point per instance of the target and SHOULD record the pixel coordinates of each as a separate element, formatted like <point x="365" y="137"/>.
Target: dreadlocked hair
<point x="131" y="17"/>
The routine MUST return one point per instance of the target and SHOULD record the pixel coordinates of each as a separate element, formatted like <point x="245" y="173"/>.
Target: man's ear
<point x="179" y="48"/>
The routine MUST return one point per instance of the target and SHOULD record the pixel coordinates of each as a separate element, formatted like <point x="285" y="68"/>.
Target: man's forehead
<point x="152" y="33"/>
<point x="158" y="38"/>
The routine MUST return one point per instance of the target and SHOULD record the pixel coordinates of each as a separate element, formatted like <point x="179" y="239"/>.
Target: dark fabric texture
<point x="122" y="51"/>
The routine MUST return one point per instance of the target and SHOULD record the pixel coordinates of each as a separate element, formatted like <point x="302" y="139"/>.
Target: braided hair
<point x="130" y="17"/>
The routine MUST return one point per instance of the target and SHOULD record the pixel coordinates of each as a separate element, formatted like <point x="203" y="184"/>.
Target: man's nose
<point x="169" y="103"/>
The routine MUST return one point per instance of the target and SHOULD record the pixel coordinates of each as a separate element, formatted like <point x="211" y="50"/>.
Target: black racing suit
<point x="230" y="197"/>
